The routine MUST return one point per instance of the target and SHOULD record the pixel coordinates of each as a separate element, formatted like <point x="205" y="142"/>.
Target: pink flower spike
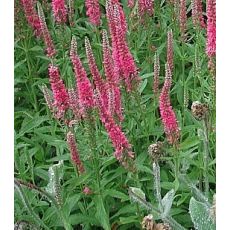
<point x="97" y="79"/>
<point x="83" y="85"/>
<point x="211" y="28"/>
<point x="93" y="11"/>
<point x="74" y="152"/>
<point x="46" y="35"/>
<point x="168" y="116"/>
<point x="59" y="10"/>
<point x="120" y="143"/>
<point x="32" y="16"/>
<point x="60" y="95"/>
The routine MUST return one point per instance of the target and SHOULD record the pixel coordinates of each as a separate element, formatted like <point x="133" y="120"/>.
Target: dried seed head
<point x="164" y="226"/>
<point x="199" y="110"/>
<point x="148" y="222"/>
<point x="156" y="150"/>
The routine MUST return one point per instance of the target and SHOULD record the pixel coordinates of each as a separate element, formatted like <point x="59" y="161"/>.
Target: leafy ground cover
<point x="115" y="114"/>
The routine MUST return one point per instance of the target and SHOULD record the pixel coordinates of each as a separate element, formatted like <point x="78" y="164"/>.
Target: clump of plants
<point x="115" y="114"/>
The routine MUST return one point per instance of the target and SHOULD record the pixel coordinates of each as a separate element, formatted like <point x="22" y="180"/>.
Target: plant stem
<point x="36" y="218"/>
<point x="59" y="210"/>
<point x="206" y="159"/>
<point x="157" y="185"/>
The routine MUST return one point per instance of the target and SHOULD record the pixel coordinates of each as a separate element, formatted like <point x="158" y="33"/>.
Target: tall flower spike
<point x="156" y="73"/>
<point x="111" y="74"/>
<point x="74" y="152"/>
<point x="59" y="10"/>
<point x="98" y="81"/>
<point x="200" y="13"/>
<point x="61" y="98"/>
<point x="93" y="11"/>
<point x="84" y="87"/>
<point x="211" y="28"/>
<point x="168" y="116"/>
<point x="170" y="50"/>
<point x="127" y="66"/>
<point x="183" y="19"/>
<point x="32" y="16"/>
<point x="46" y="35"/>
<point x="123" y="151"/>
<point x="74" y="104"/>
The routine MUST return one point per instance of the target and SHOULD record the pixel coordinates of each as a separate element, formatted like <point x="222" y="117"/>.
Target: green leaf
<point x="167" y="202"/>
<point x="101" y="214"/>
<point x="201" y="216"/>
<point x="31" y="124"/>
<point x="117" y="194"/>
<point x="143" y="85"/>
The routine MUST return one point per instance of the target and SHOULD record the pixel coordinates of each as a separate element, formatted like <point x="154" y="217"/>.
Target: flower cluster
<point x="32" y="16"/>
<point x="46" y="35"/>
<point x="167" y="114"/>
<point x="74" y="152"/>
<point x="197" y="13"/>
<point x="123" y="151"/>
<point x="211" y="28"/>
<point x="93" y="11"/>
<point x="59" y="10"/>
<point x="122" y="56"/>
<point x="83" y="85"/>
<point x="60" y="95"/>
<point x="111" y="74"/>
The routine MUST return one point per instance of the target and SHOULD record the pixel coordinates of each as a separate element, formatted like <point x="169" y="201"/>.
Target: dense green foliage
<point x="40" y="140"/>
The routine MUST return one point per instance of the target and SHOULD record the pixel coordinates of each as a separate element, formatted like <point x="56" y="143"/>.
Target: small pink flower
<point x="46" y="35"/>
<point x="60" y="95"/>
<point x="168" y="116"/>
<point x="93" y="11"/>
<point x="32" y="16"/>
<point x="84" y="87"/>
<point x="211" y="28"/>
<point x="74" y="152"/>
<point x="59" y="10"/>
<point x="87" y="191"/>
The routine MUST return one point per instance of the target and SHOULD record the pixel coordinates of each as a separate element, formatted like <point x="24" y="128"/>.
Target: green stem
<point x="36" y="218"/>
<point x="157" y="185"/>
<point x="206" y="159"/>
<point x="58" y="208"/>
